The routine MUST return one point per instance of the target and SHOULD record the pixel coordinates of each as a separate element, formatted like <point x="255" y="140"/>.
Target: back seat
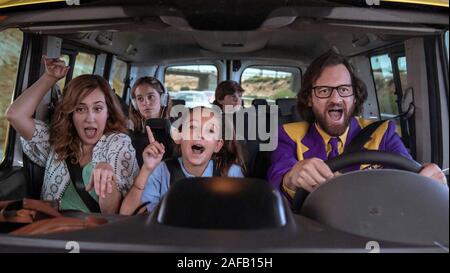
<point x="178" y="102"/>
<point x="161" y="132"/>
<point x="256" y="102"/>
<point x="287" y="110"/>
<point x="257" y="162"/>
<point x="123" y="105"/>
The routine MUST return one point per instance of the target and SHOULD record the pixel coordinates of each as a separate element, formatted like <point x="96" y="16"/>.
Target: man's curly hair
<point x="314" y="71"/>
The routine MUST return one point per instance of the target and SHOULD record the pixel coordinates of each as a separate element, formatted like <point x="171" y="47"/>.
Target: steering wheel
<point x="357" y="158"/>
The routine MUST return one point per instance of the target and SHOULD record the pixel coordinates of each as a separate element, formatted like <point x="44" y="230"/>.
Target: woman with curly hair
<point x="88" y="130"/>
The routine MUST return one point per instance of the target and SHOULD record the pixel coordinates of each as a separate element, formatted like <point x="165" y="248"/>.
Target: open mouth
<point x="335" y="113"/>
<point x="197" y="149"/>
<point x="90" y="132"/>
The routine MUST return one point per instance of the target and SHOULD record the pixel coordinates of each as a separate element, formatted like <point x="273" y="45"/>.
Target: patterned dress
<point x="115" y="149"/>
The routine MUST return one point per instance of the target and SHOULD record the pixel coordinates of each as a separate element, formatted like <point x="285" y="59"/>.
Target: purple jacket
<point x="298" y="141"/>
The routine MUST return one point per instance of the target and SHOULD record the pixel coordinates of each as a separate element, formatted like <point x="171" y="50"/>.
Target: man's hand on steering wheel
<point x="307" y="174"/>
<point x="433" y="171"/>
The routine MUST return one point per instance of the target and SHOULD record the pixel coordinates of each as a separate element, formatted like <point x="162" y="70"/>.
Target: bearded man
<point x="330" y="101"/>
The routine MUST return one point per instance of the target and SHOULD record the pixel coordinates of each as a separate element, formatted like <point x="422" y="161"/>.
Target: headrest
<point x="296" y="115"/>
<point x="161" y="131"/>
<point x="285" y="106"/>
<point x="256" y="102"/>
<point x="159" y="124"/>
<point x="222" y="203"/>
<point x="178" y="102"/>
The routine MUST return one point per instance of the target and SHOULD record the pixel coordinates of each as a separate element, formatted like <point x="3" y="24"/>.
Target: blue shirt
<point x="159" y="181"/>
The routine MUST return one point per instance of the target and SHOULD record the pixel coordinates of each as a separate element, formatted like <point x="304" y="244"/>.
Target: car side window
<point x="384" y="84"/>
<point x="387" y="95"/>
<point x="62" y="82"/>
<point x="10" y="47"/>
<point x="118" y="74"/>
<point x="401" y="63"/>
<point x="84" y="64"/>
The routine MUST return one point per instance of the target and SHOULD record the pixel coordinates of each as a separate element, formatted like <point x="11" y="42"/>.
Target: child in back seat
<point x="204" y="152"/>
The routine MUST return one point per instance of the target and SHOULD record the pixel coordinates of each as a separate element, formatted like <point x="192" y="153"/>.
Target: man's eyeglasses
<point x="323" y="92"/>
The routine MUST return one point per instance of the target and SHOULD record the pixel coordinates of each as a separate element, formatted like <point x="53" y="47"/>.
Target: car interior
<point x="398" y="48"/>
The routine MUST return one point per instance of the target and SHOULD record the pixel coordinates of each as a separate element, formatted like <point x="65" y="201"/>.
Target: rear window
<point x="268" y="83"/>
<point x="195" y="84"/>
<point x="191" y="77"/>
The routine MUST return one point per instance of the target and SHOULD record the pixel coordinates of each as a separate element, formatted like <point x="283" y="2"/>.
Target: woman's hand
<point x="103" y="180"/>
<point x="55" y="68"/>
<point x="20" y="112"/>
<point x="153" y="153"/>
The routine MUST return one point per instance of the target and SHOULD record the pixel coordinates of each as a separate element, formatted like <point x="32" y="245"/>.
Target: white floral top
<point x="116" y="149"/>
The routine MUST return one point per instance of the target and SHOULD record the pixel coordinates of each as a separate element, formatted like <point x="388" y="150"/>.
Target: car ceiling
<point x="157" y="33"/>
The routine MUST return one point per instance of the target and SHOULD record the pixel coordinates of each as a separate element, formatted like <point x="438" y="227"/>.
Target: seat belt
<point x="77" y="181"/>
<point x="362" y="137"/>
<point x="176" y="173"/>
<point x="365" y="134"/>
<point x="175" y="170"/>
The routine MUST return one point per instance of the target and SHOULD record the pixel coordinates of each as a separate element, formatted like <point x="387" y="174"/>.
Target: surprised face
<point x="90" y="117"/>
<point x="200" y="140"/>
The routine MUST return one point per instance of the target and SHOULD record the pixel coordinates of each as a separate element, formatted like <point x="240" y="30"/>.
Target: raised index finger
<point x="151" y="138"/>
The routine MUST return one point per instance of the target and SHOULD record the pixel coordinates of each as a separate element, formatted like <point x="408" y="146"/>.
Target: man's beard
<point x="334" y="129"/>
